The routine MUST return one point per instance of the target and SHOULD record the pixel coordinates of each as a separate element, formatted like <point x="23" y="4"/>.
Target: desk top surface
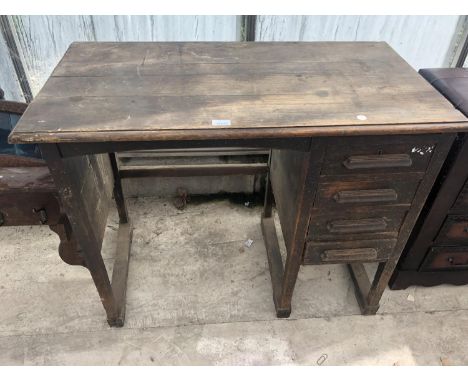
<point x="137" y="91"/>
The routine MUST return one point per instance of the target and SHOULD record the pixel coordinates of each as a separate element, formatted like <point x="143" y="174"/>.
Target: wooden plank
<point x="338" y="86"/>
<point x="174" y="53"/>
<point x="377" y="93"/>
<point x="275" y="263"/>
<point x="362" y="287"/>
<point x="287" y="176"/>
<point x="217" y="151"/>
<point x="136" y="69"/>
<point x="67" y="175"/>
<point x="95" y="184"/>
<point x="120" y="271"/>
<point x="157" y="113"/>
<point x="193" y="170"/>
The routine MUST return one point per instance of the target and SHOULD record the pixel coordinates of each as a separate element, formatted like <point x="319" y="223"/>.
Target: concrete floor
<point x="197" y="295"/>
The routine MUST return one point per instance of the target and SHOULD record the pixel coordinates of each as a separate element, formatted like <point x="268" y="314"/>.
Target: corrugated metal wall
<point x="423" y="41"/>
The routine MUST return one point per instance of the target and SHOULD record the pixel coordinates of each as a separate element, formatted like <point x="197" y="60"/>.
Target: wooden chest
<point x="437" y="252"/>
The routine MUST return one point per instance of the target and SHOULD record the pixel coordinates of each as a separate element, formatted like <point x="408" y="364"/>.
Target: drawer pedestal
<point x="350" y="200"/>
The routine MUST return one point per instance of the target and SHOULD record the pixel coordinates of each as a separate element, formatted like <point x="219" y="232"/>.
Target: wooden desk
<point x="355" y="133"/>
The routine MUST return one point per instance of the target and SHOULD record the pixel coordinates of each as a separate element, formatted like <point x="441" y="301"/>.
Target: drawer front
<point x="361" y="191"/>
<point x="379" y="155"/>
<point x="454" y="230"/>
<point x="461" y="204"/>
<point x="348" y="251"/>
<point x="446" y="258"/>
<point x="24" y="208"/>
<point x="356" y="224"/>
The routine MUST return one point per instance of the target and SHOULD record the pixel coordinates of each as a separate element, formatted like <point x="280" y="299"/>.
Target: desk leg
<point x="368" y="294"/>
<point x="85" y="195"/>
<point x="275" y="263"/>
<point x="292" y="166"/>
<point x="118" y="191"/>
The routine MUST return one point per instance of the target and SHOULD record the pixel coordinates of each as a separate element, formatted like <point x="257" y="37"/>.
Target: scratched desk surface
<point x="178" y="90"/>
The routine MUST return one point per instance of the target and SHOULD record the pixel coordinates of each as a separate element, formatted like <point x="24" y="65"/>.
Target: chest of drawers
<point x="437" y="252"/>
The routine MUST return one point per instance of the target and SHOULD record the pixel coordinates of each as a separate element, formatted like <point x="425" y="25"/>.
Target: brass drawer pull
<point x="357" y="226"/>
<point x="359" y="196"/>
<point x="362" y="254"/>
<point x="377" y="161"/>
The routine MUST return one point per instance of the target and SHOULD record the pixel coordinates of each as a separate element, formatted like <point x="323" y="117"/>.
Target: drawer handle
<point x="377" y="161"/>
<point x="457" y="262"/>
<point x="359" y="196"/>
<point x="357" y="226"/>
<point x="361" y="254"/>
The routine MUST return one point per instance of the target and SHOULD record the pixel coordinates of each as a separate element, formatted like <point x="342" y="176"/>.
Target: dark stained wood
<point x="402" y="279"/>
<point x="348" y="251"/>
<point x="117" y="190"/>
<point x="74" y="149"/>
<point x="7" y="160"/>
<point x="356" y="224"/>
<point x="26" y="180"/>
<point x="128" y="96"/>
<point x="293" y="190"/>
<point x="362" y="287"/>
<point x="303" y="100"/>
<point x="446" y="258"/>
<point x="287" y="176"/>
<point x="69" y="250"/>
<point x="436" y="252"/>
<point x="461" y="204"/>
<point x="13" y="107"/>
<point x="454" y="231"/>
<point x="193" y="170"/>
<point x="394" y="154"/>
<point x="120" y="271"/>
<point x="349" y="191"/>
<point x="452" y="180"/>
<point x="385" y="270"/>
<point x="70" y="176"/>
<point x="275" y="263"/>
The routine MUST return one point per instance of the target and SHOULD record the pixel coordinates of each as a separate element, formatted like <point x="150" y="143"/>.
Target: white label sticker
<point x="221" y="122"/>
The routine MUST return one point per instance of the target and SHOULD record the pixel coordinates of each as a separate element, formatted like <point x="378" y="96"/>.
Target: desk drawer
<point x="356" y="223"/>
<point x="348" y="251"/>
<point x="461" y="204"/>
<point x="370" y="190"/>
<point x="379" y="155"/>
<point x="454" y="230"/>
<point x="446" y="258"/>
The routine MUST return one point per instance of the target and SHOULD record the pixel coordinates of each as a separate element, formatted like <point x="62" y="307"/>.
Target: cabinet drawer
<point x="446" y="258"/>
<point x="348" y="251"/>
<point x="370" y="190"/>
<point x="356" y="224"/>
<point x="379" y="155"/>
<point x="461" y="204"/>
<point x="454" y="230"/>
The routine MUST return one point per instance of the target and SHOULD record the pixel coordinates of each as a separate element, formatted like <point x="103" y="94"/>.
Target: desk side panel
<point x="93" y="177"/>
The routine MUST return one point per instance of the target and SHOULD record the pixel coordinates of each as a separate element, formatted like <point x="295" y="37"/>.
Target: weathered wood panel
<point x="386" y="90"/>
<point x="423" y="41"/>
<point x="95" y="185"/>
<point x="42" y="40"/>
